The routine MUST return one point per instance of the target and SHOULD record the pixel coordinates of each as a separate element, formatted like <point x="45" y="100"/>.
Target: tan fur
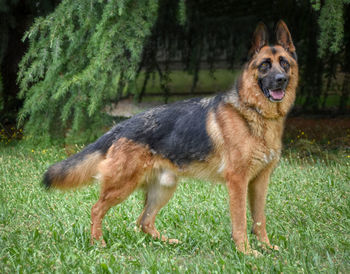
<point x="79" y="175"/>
<point x="125" y="167"/>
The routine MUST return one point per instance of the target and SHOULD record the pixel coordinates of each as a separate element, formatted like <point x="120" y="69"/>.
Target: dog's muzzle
<point x="278" y="90"/>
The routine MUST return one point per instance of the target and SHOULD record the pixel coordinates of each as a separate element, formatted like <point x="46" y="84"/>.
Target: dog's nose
<point x="280" y="78"/>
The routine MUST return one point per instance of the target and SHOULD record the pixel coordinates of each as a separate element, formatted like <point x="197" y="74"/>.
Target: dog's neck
<point x="258" y="122"/>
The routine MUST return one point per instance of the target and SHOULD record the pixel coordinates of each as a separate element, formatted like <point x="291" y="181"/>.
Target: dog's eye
<point x="264" y="66"/>
<point x="284" y="64"/>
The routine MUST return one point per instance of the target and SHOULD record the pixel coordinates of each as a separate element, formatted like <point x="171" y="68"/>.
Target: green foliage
<point x="85" y="55"/>
<point x="80" y="58"/>
<point x="316" y="4"/>
<point x="331" y="22"/>
<point x="182" y="12"/>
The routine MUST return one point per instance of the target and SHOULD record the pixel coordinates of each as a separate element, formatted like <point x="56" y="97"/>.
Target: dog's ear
<point x="284" y="38"/>
<point x="260" y="38"/>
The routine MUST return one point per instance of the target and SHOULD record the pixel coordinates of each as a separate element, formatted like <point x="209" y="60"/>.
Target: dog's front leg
<point x="237" y="189"/>
<point x="257" y="197"/>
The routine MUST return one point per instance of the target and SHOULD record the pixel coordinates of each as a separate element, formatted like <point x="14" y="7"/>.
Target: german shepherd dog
<point x="234" y="137"/>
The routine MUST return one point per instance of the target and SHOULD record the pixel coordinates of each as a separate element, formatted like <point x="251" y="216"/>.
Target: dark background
<point x="215" y="34"/>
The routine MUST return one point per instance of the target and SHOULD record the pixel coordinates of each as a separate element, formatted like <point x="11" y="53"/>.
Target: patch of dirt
<point x="330" y="132"/>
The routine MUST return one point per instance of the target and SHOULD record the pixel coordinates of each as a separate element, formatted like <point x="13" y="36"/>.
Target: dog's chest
<point x="264" y="156"/>
<point x="265" y="151"/>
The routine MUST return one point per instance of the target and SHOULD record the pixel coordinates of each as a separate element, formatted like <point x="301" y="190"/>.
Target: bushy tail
<point x="78" y="169"/>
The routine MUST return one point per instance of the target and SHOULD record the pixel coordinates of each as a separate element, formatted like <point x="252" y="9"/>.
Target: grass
<point x="181" y="81"/>
<point x="308" y="216"/>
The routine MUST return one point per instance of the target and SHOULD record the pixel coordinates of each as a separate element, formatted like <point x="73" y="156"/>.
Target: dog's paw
<point x="268" y="246"/>
<point x="252" y="252"/>
<point x="255" y="253"/>
<point x="247" y="250"/>
<point x="100" y="242"/>
<point x="170" y="241"/>
<point x="173" y="241"/>
<point x="275" y="247"/>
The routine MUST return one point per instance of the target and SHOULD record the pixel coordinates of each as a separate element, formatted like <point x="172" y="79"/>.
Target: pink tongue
<point x="277" y="94"/>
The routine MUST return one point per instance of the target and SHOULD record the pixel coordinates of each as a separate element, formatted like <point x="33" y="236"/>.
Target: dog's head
<point x="273" y="65"/>
<point x="269" y="79"/>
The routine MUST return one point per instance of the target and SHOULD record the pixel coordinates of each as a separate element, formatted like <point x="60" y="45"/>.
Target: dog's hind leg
<point x="108" y="198"/>
<point x="158" y="193"/>
<point x="123" y="169"/>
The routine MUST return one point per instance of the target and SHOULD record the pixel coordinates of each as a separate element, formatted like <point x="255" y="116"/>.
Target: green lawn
<point x="181" y="81"/>
<point x="308" y="212"/>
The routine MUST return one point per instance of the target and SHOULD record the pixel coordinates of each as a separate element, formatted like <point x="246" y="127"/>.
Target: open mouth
<point x="276" y="94"/>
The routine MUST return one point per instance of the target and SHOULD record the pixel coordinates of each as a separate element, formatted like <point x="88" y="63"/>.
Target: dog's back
<point x="176" y="132"/>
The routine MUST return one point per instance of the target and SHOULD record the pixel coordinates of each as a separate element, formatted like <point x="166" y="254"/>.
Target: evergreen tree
<point x="331" y="22"/>
<point x="81" y="57"/>
<point x="86" y="54"/>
